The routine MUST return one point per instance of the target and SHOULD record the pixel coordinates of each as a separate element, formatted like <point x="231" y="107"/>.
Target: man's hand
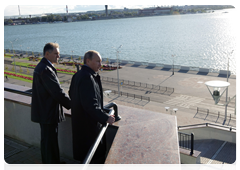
<point x="111" y="119"/>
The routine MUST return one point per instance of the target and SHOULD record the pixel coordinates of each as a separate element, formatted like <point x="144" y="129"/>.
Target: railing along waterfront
<point x="20" y="54"/>
<point x="186" y="141"/>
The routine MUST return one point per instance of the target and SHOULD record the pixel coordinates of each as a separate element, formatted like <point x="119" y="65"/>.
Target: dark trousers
<point x="100" y="154"/>
<point x="49" y="144"/>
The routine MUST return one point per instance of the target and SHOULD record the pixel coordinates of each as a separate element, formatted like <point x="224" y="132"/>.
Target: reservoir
<point x="197" y="40"/>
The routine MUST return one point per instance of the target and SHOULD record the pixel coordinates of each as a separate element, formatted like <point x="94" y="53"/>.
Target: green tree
<point x="44" y="19"/>
<point x="13" y="69"/>
<point x="58" y="18"/>
<point x="28" y="72"/>
<point x="85" y="17"/>
<point x="79" y="18"/>
<point x="50" y="18"/>
<point x="20" y="70"/>
<point x="10" y="21"/>
<point x="65" y="18"/>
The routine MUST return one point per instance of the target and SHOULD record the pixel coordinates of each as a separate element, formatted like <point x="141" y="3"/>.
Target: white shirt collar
<point x="50" y="62"/>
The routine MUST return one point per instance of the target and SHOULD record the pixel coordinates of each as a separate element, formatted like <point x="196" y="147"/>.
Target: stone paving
<point x="189" y="93"/>
<point x="17" y="152"/>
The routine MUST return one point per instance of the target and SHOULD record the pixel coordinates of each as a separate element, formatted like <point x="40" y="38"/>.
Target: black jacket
<point x="47" y="95"/>
<point x="86" y="110"/>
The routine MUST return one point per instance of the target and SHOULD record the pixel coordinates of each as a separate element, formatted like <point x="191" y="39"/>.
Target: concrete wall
<point x="192" y="162"/>
<point x="211" y="133"/>
<point x="18" y="125"/>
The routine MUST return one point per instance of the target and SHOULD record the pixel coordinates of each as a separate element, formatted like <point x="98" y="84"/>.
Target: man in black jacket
<point x="87" y="110"/>
<point x="47" y="100"/>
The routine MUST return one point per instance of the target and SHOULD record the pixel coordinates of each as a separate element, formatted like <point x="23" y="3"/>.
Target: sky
<point x="10" y="8"/>
<point x="40" y="9"/>
<point x="46" y="6"/>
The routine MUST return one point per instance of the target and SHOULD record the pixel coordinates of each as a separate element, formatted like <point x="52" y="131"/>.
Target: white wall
<point x="18" y="125"/>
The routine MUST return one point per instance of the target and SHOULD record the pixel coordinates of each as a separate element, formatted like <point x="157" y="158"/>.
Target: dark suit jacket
<point x="86" y="110"/>
<point x="47" y="95"/>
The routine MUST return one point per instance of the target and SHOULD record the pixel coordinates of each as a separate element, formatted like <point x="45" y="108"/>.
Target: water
<point x="197" y="40"/>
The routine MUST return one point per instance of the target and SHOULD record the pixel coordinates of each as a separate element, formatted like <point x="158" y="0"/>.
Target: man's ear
<point x="46" y="53"/>
<point x="87" y="61"/>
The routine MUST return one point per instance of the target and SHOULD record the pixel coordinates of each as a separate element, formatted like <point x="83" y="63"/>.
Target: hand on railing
<point x="111" y="119"/>
<point x="114" y="105"/>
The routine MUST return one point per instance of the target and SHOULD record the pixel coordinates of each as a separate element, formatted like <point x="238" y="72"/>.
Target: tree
<point x="44" y="19"/>
<point x="65" y="18"/>
<point x="58" y="18"/>
<point x="78" y="17"/>
<point x="28" y="72"/>
<point x="20" y="70"/>
<point x="10" y="21"/>
<point x="85" y="17"/>
<point x="50" y="18"/>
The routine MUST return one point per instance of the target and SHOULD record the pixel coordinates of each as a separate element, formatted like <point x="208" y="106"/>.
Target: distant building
<point x="153" y="11"/>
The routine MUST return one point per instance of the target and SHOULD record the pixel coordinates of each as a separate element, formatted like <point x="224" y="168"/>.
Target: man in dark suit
<point x="87" y="110"/>
<point x="47" y="100"/>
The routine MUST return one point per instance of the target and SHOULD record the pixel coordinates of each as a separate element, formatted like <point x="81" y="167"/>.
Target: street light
<point x="227" y="81"/>
<point x="217" y="89"/>
<point x="21" y="49"/>
<point x="72" y="55"/>
<point x="14" y="54"/>
<point x="173" y="64"/>
<point x="117" y="51"/>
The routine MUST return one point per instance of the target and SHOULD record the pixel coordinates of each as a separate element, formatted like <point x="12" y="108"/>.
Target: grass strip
<point x="10" y="56"/>
<point x="18" y="78"/>
<point x="28" y="65"/>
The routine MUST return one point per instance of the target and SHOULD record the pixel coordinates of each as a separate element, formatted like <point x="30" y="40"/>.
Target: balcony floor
<point x="17" y="152"/>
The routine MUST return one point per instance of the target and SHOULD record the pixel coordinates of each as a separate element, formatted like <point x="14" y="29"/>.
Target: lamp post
<point x="14" y="54"/>
<point x="216" y="89"/>
<point x="173" y="64"/>
<point x="72" y="55"/>
<point x="117" y="51"/>
<point x="227" y="81"/>
<point x="21" y="49"/>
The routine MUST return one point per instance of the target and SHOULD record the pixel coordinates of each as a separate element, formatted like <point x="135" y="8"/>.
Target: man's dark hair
<point x="89" y="55"/>
<point x="49" y="47"/>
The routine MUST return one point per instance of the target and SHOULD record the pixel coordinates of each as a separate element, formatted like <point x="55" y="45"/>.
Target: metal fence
<point x="135" y="96"/>
<point x="186" y="141"/>
<point x="215" y="113"/>
<point x="138" y="84"/>
<point x="206" y="125"/>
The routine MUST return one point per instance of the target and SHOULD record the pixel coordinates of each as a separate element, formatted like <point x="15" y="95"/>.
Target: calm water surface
<point x="197" y="40"/>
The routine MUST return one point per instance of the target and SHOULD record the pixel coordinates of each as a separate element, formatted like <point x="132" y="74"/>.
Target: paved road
<point x="189" y="93"/>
